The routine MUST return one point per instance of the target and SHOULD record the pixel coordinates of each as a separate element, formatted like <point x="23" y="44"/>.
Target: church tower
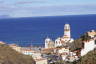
<point x="49" y="43"/>
<point x="67" y="30"/>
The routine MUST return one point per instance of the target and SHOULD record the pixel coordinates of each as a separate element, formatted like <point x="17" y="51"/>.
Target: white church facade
<point x="61" y="45"/>
<point x="60" y="41"/>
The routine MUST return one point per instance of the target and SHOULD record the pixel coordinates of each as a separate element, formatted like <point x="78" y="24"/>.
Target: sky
<point x="38" y="8"/>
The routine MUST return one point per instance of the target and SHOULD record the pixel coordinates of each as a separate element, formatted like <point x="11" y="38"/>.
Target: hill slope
<point x="90" y="58"/>
<point x="10" y="56"/>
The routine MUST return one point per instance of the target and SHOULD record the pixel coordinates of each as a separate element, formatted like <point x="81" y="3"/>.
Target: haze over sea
<point x="34" y="30"/>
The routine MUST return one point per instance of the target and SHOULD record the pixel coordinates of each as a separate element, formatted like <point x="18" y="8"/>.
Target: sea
<point x="32" y="31"/>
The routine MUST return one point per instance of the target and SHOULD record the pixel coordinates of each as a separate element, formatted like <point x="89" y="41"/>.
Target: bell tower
<point x="67" y="31"/>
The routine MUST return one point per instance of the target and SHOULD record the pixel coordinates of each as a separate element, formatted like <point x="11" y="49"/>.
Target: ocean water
<point x="33" y="31"/>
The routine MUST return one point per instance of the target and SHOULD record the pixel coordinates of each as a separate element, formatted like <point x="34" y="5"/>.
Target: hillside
<point x="78" y="43"/>
<point x="10" y="56"/>
<point x="90" y="58"/>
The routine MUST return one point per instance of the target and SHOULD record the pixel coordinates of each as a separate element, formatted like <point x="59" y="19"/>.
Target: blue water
<point x="26" y="31"/>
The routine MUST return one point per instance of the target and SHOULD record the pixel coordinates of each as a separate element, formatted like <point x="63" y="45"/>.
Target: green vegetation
<point x="10" y="56"/>
<point x="78" y="43"/>
<point x="89" y="58"/>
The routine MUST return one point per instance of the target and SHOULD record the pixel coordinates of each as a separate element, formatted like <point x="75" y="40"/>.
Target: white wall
<point x="88" y="46"/>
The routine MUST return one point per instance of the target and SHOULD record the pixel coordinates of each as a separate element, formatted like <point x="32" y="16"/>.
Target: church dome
<point x="47" y="39"/>
<point x="58" y="39"/>
<point x="67" y="25"/>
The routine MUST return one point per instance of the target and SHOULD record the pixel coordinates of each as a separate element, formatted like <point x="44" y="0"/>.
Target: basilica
<point x="61" y="45"/>
<point x="60" y="41"/>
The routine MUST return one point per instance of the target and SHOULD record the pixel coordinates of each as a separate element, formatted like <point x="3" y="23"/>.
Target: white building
<point x="61" y="40"/>
<point x="66" y="37"/>
<point x="58" y="42"/>
<point x="92" y="33"/>
<point x="41" y="61"/>
<point x="35" y="55"/>
<point x="49" y="43"/>
<point x="88" y="46"/>
<point x="63" y="50"/>
<point x="67" y="31"/>
<point x="38" y="58"/>
<point x="67" y="55"/>
<point x="27" y="52"/>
